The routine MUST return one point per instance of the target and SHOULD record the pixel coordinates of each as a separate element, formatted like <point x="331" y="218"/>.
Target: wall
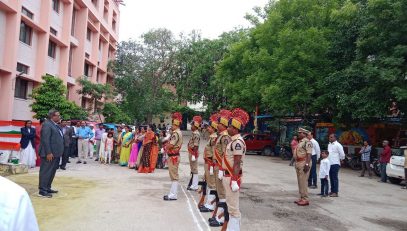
<point x="57" y="19"/>
<point x="35" y="7"/>
<point x="27" y="54"/>
<point x="2" y="35"/>
<point x="21" y="107"/>
<point x="53" y="64"/>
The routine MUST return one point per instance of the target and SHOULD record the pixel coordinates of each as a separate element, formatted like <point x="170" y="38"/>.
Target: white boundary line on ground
<point x="200" y="214"/>
<point x="191" y="211"/>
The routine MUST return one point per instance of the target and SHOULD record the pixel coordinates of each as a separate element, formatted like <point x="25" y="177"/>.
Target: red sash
<point x="192" y="152"/>
<point x="237" y="178"/>
<point x="175" y="152"/>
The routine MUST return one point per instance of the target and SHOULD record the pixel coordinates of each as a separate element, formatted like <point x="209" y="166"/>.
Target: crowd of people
<point x="303" y="143"/>
<point x="141" y="149"/>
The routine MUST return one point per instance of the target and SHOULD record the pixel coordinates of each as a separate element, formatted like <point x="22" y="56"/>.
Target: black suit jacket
<point x="68" y="136"/>
<point x="52" y="140"/>
<point x="27" y="137"/>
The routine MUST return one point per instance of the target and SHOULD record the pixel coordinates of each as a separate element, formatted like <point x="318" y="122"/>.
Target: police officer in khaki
<point x="209" y="176"/>
<point x="233" y="166"/>
<point x="193" y="147"/>
<point x="302" y="156"/>
<point x="173" y="148"/>
<point x="220" y="215"/>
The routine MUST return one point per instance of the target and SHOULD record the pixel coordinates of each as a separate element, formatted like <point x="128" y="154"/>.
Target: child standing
<point x="324" y="173"/>
<point x="108" y="148"/>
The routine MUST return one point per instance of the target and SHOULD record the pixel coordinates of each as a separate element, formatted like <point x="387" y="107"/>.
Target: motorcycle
<point x="285" y="153"/>
<point x="375" y="165"/>
<point x="353" y="161"/>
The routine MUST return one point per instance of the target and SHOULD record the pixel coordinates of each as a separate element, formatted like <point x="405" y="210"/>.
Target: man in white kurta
<point x="16" y="210"/>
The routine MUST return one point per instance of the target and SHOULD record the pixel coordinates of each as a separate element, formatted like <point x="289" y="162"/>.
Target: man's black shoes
<point x="45" y="194"/>
<point x="52" y="191"/>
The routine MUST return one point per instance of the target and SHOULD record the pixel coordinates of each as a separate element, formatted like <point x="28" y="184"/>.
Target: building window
<point x="88" y="34"/>
<point x="114" y="25"/>
<point x="97" y="76"/>
<point x="52" y="48"/>
<point x="27" y="12"/>
<point x="25" y="33"/>
<point x="53" y="31"/>
<point x="73" y="22"/>
<point x="83" y="103"/>
<point x="95" y="2"/>
<point x="70" y="61"/>
<point x="55" y="5"/>
<point x="21" y="68"/>
<point x="88" y="69"/>
<point x="21" y="87"/>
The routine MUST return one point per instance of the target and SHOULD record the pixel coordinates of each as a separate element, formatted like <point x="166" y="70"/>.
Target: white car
<point x="395" y="169"/>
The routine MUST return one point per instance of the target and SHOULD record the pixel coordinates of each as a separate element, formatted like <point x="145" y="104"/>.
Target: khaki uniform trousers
<point x="193" y="164"/>
<point x="210" y="180"/>
<point x="83" y="149"/>
<point x="219" y="186"/>
<point x="232" y="198"/>
<point x="302" y="179"/>
<point x="173" y="169"/>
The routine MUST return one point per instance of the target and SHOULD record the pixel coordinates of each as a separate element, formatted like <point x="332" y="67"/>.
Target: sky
<point x="210" y="17"/>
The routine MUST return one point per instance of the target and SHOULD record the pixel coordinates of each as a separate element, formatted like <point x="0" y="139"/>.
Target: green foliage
<point x="114" y="114"/>
<point x="51" y="94"/>
<point x="196" y="61"/>
<point x="142" y="72"/>
<point x="347" y="58"/>
<point x="95" y="91"/>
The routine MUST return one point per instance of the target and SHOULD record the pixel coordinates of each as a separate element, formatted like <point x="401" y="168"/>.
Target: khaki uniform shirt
<point x="194" y="141"/>
<point x="222" y="142"/>
<point x="236" y="147"/>
<point x="209" y="148"/>
<point x="304" y="147"/>
<point x="176" y="139"/>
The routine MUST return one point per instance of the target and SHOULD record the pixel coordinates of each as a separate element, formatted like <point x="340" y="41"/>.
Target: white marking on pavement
<point x="200" y="214"/>
<point x="191" y="211"/>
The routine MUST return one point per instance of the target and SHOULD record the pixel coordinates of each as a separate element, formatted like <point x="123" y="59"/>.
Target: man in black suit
<point x="68" y="133"/>
<point x="50" y="151"/>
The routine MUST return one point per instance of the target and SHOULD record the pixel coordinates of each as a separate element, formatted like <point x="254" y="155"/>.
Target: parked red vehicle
<point x="260" y="143"/>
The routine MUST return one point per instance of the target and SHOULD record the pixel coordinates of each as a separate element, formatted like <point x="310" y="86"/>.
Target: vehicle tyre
<point x="355" y="165"/>
<point x="394" y="180"/>
<point x="376" y="168"/>
<point x="267" y="151"/>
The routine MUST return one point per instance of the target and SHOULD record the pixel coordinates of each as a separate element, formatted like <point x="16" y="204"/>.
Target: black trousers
<point x="65" y="156"/>
<point x="73" y="148"/>
<point x="47" y="173"/>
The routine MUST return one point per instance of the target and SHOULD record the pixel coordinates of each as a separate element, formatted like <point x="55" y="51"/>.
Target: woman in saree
<point x="140" y="146"/>
<point x="150" y="152"/>
<point x="127" y="140"/>
<point x="134" y="150"/>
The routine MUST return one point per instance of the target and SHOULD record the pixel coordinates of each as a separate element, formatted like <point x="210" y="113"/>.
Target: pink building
<point x="64" y="38"/>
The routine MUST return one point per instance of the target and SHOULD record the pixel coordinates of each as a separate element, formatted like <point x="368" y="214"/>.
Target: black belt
<point x="227" y="172"/>
<point x="171" y="155"/>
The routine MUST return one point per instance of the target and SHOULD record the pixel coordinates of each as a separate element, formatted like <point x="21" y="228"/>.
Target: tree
<point x="95" y="91"/>
<point x="114" y="114"/>
<point x="51" y="94"/>
<point x="195" y="66"/>
<point x="142" y="73"/>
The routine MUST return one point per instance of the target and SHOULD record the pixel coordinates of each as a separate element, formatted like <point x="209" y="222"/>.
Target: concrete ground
<point x="99" y="197"/>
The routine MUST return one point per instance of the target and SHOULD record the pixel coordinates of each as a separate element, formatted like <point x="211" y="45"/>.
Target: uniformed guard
<point x="302" y="156"/>
<point x="173" y="148"/>
<point x="193" y="147"/>
<point x="233" y="166"/>
<point x="209" y="165"/>
<point x="220" y="215"/>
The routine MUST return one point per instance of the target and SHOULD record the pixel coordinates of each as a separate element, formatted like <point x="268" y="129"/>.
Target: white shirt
<point x="316" y="150"/>
<point x="324" y="168"/>
<point x="336" y="153"/>
<point x="16" y="210"/>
